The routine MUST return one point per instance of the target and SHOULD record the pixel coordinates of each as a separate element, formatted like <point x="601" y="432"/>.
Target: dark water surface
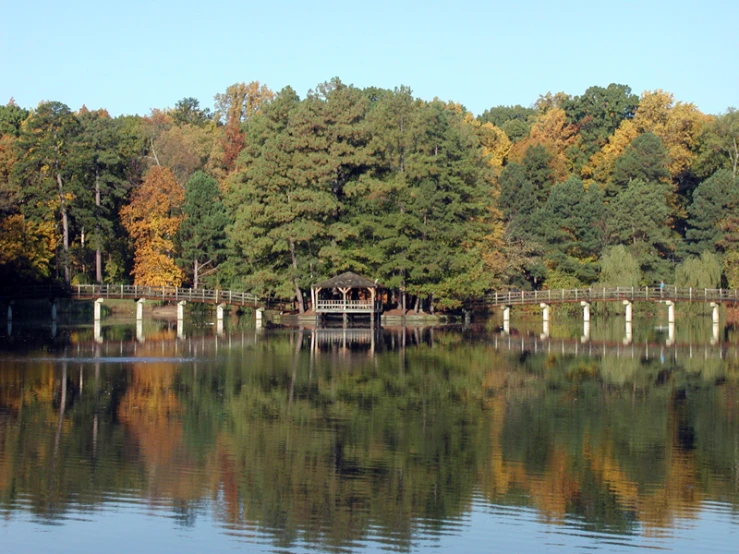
<point x="347" y="441"/>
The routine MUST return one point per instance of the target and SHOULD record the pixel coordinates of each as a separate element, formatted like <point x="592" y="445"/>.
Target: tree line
<point x="270" y="192"/>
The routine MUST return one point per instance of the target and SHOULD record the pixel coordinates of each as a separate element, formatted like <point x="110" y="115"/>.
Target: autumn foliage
<point x="152" y="220"/>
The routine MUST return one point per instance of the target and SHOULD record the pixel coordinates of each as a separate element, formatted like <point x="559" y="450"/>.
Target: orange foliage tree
<point x="234" y="107"/>
<point x="152" y="220"/>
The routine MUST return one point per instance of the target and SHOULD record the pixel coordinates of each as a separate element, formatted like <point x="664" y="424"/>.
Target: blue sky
<point x="129" y="57"/>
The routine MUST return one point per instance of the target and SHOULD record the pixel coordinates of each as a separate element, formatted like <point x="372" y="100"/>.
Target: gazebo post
<point x="345" y="314"/>
<point x="372" y="313"/>
<point x="315" y="291"/>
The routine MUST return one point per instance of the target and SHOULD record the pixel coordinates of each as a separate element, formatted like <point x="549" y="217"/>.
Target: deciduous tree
<point x="152" y="219"/>
<point x="234" y="107"/>
<point x="619" y="268"/>
<point x="700" y="272"/>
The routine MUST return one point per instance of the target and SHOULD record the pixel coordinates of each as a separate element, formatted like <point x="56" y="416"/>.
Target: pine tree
<point x="202" y="234"/>
<point x="46" y="169"/>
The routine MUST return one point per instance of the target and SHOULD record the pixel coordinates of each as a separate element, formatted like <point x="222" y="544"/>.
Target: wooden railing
<point x="135" y="292"/>
<point x="609" y="294"/>
<point x="505" y="298"/>
<point x="349" y="306"/>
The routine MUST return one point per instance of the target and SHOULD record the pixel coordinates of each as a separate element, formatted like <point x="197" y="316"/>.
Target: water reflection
<point x="338" y="438"/>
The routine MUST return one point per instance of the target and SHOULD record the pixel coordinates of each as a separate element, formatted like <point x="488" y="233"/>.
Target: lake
<point x="349" y="440"/>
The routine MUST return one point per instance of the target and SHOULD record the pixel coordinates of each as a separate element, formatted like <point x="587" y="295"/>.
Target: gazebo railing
<point x="347" y="306"/>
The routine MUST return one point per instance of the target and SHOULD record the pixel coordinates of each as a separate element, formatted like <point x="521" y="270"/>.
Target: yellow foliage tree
<point x="151" y="220"/>
<point x="8" y="191"/>
<point x="495" y="144"/>
<point x="678" y="124"/>
<point x="602" y="162"/>
<point x="26" y="247"/>
<point x="552" y="131"/>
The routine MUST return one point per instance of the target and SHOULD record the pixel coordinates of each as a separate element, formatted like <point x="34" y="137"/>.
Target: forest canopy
<point x="269" y="192"/>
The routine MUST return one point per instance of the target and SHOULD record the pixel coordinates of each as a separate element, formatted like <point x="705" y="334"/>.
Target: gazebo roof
<point x="349" y="280"/>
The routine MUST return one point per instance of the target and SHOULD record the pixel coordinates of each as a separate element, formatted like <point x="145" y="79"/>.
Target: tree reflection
<point x="327" y="445"/>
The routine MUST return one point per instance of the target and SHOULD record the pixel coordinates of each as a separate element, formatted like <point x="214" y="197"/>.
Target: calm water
<point x="408" y="440"/>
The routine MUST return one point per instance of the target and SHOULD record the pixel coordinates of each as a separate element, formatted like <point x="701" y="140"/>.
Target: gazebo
<point x="347" y="294"/>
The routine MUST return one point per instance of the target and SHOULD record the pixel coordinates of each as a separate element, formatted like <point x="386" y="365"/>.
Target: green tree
<point x="599" y="112"/>
<point x="516" y="192"/>
<point x="188" y="111"/>
<point x="640" y="218"/>
<point x="536" y="163"/>
<point x="47" y="168"/>
<point x="12" y="117"/>
<point x="572" y="225"/>
<point x="378" y="206"/>
<point x="719" y="145"/>
<point x="424" y="210"/>
<point x="202" y="233"/>
<point x="619" y="268"/>
<point x="644" y="159"/>
<point x="453" y="195"/>
<point x="101" y="168"/>
<point x="280" y="198"/>
<point x="699" y="272"/>
<point x="514" y="120"/>
<point x="714" y="200"/>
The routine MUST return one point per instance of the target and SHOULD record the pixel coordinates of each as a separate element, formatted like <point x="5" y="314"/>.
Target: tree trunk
<point x="65" y="228"/>
<point x="98" y="250"/>
<point x="298" y="292"/>
<point x="195" y="274"/>
<point x="417" y="304"/>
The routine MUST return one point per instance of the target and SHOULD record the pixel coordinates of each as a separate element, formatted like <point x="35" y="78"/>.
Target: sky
<point x="129" y="57"/>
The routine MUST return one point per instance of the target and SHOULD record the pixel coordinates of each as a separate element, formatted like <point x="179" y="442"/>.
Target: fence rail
<point x="608" y="294"/>
<point x="135" y="292"/>
<point x="491" y="299"/>
<point x="349" y="306"/>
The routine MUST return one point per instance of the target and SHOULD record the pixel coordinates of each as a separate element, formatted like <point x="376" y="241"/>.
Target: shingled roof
<point x="349" y="280"/>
